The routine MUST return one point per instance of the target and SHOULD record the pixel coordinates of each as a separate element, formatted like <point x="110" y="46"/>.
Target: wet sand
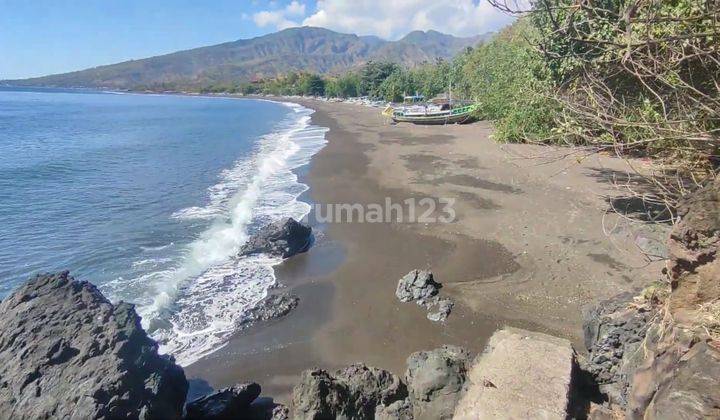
<point x="530" y="246"/>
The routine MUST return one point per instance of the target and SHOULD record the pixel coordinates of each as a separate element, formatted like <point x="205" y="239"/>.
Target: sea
<point x="150" y="197"/>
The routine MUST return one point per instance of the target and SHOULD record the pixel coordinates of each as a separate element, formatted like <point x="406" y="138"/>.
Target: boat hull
<point x="432" y="120"/>
<point x="455" y="116"/>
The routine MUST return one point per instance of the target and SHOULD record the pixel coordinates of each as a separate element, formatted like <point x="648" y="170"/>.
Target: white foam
<point x="208" y="292"/>
<point x="150" y="262"/>
<point x="157" y="248"/>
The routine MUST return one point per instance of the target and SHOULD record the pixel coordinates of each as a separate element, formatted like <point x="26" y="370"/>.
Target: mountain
<point x="296" y="49"/>
<point x="435" y="43"/>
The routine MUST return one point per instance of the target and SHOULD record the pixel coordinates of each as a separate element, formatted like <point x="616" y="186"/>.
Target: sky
<point x="40" y="37"/>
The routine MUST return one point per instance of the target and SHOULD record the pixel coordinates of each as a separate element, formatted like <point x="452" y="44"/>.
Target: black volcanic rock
<point x="67" y="352"/>
<point x="354" y="392"/>
<point x="283" y="238"/>
<point x="273" y="306"/>
<point x="228" y="403"/>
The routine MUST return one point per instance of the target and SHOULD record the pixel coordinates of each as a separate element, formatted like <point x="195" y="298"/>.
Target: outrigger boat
<point x="437" y="112"/>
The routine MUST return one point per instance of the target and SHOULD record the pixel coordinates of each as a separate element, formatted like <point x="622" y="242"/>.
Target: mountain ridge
<point x="310" y="49"/>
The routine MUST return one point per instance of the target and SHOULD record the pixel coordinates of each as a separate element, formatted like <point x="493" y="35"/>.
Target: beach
<point x="532" y="243"/>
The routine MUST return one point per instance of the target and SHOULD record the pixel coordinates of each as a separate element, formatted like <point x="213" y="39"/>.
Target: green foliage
<point x="373" y="75"/>
<point x="397" y="85"/>
<point x="311" y="85"/>
<point x="639" y="76"/>
<point x="428" y="79"/>
<point x="346" y="86"/>
<point x="511" y="84"/>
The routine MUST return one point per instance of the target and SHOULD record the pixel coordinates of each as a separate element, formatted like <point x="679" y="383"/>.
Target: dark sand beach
<point x="532" y="244"/>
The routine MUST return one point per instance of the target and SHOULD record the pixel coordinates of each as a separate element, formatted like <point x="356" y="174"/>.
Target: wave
<point x="194" y="308"/>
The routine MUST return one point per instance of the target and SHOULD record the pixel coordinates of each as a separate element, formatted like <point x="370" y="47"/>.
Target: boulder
<point x="228" y="403"/>
<point x="273" y="306"/>
<point x="370" y="387"/>
<point x="319" y="395"/>
<point x="417" y="285"/>
<point x="67" y="352"/>
<point x="354" y="392"/>
<point x="442" y="308"/>
<point x="283" y="238"/>
<point x="435" y="381"/>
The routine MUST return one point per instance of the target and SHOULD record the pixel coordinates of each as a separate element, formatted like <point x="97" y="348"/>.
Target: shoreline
<point x="500" y="263"/>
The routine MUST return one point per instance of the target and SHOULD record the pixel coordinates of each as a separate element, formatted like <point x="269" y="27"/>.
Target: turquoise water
<point x="149" y="197"/>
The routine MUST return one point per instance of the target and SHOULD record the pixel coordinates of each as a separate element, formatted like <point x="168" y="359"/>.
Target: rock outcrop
<point x="435" y="380"/>
<point x="355" y="392"/>
<point x="679" y="376"/>
<point x="67" y="352"/>
<point x="420" y="286"/>
<point x="228" y="403"/>
<point x="283" y="238"/>
<point x="660" y="358"/>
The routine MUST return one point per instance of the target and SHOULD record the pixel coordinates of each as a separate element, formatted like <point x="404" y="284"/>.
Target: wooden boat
<point x="432" y="114"/>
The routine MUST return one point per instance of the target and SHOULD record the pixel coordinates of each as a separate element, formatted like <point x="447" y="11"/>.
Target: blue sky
<point x="39" y="37"/>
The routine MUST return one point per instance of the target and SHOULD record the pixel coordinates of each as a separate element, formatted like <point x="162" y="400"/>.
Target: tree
<point x="312" y="85"/>
<point x="372" y="76"/>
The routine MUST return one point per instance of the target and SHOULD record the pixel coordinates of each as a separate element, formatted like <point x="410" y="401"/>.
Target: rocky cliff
<point x="657" y="356"/>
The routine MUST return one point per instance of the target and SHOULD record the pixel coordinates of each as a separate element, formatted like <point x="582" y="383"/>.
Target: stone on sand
<point x="283" y="238"/>
<point x="417" y="285"/>
<point x="443" y="308"/>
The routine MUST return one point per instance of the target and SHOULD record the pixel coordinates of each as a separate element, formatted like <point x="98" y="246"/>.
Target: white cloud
<point x="393" y="19"/>
<point x="280" y="18"/>
<point x="274" y="18"/>
<point x="295" y="8"/>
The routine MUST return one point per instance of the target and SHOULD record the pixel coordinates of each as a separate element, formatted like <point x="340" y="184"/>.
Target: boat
<point x="432" y="113"/>
<point x="439" y="111"/>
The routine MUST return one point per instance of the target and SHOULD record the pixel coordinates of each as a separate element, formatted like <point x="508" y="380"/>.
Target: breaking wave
<point x="195" y="304"/>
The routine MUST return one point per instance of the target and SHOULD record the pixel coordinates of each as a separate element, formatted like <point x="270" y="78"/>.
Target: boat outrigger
<point x="437" y="112"/>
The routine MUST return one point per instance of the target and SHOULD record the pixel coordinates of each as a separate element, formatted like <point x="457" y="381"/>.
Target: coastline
<point x="528" y="250"/>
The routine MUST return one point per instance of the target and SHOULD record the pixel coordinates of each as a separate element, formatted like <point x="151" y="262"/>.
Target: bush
<point x="511" y="84"/>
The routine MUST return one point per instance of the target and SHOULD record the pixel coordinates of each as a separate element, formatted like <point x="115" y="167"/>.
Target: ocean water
<point x="149" y="197"/>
